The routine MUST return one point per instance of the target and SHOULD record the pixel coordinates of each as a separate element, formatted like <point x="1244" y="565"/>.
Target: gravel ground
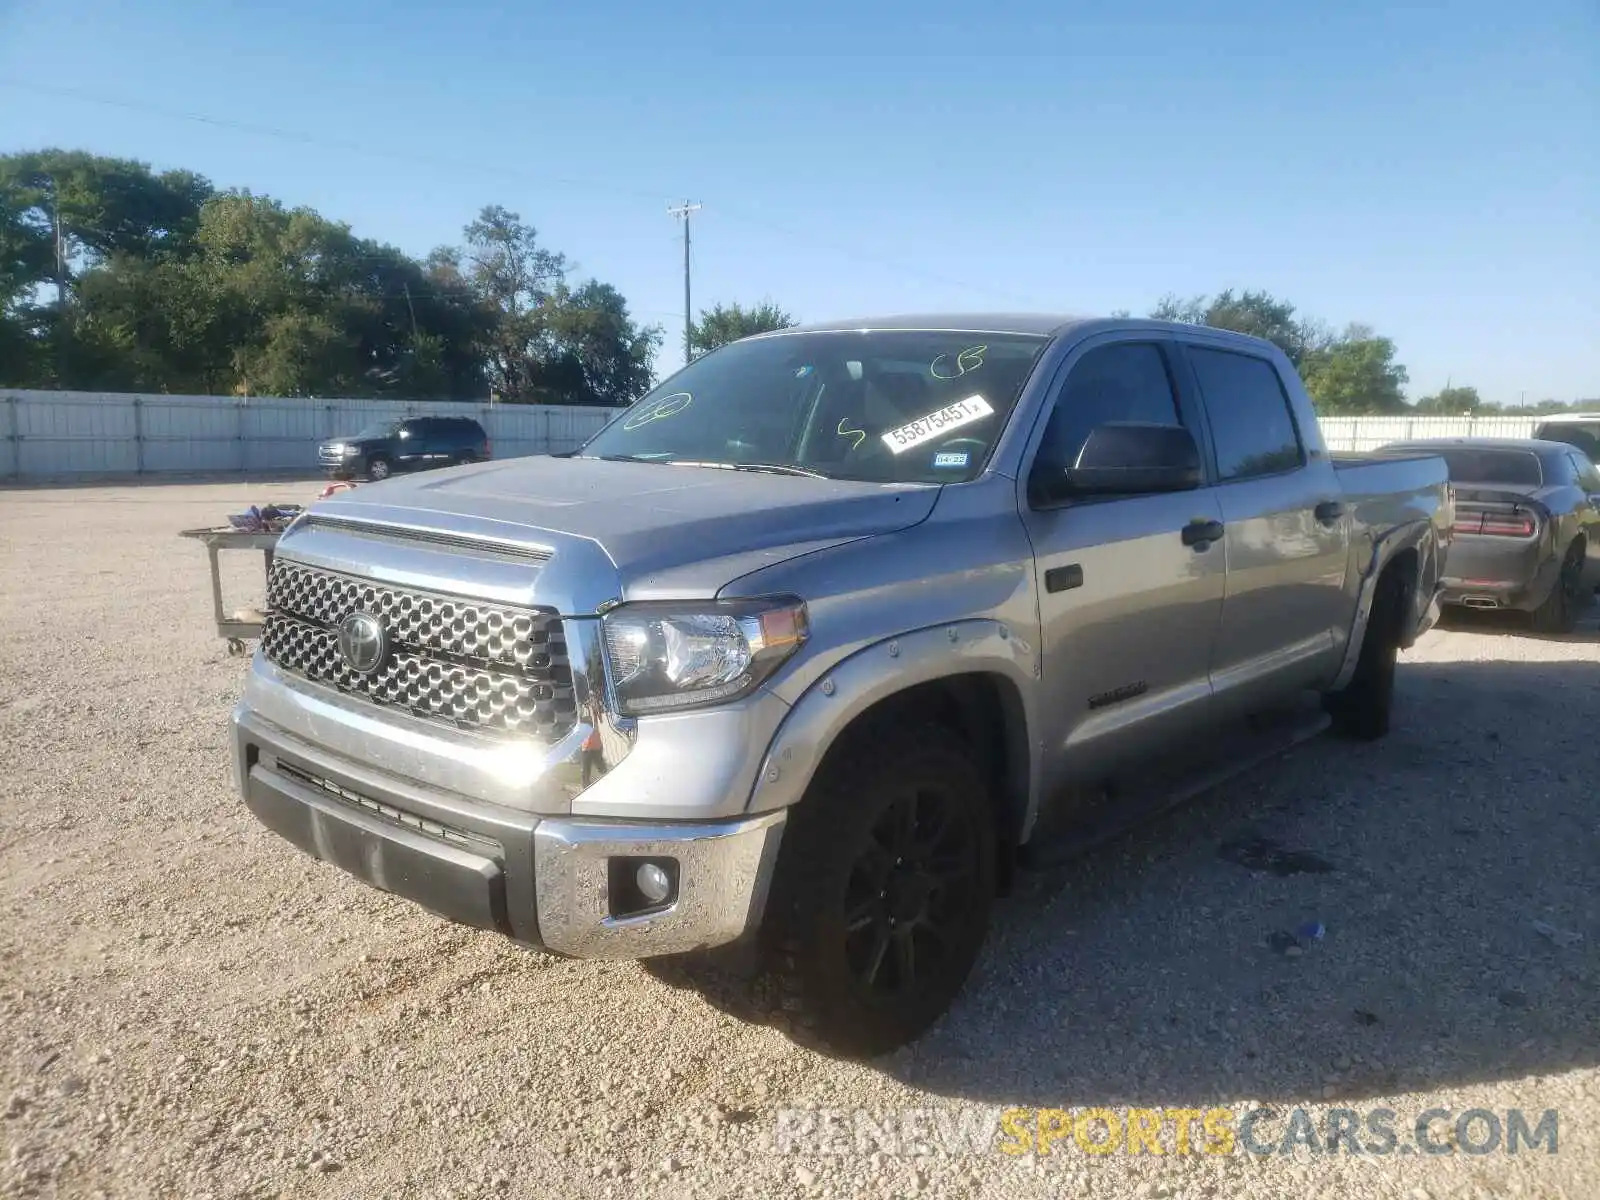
<point x="188" y="1006"/>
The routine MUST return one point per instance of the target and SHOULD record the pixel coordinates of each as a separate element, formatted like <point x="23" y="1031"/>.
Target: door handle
<point x="1329" y="511"/>
<point x="1200" y="533"/>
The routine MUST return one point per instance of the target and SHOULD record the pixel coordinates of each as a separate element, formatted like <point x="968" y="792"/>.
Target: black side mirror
<point x="1126" y="458"/>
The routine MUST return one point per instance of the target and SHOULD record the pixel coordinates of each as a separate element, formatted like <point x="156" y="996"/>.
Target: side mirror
<point x="1126" y="458"/>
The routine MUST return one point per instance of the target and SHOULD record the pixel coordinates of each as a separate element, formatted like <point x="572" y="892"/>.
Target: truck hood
<point x="669" y="531"/>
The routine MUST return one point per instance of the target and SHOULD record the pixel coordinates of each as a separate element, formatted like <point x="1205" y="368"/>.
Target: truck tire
<point x="1559" y="612"/>
<point x="377" y="468"/>
<point x="881" y="899"/>
<point x="1361" y="709"/>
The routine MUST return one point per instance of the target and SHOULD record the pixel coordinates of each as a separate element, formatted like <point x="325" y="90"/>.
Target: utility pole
<point x="61" y="258"/>
<point x="682" y="211"/>
<point x="413" y="309"/>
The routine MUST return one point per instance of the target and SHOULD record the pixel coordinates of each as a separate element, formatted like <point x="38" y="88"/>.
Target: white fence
<point x="1368" y="433"/>
<point x="45" y="435"/>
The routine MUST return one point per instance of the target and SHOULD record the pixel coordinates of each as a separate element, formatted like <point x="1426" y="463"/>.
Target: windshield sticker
<point x="945" y="367"/>
<point x="667" y="406"/>
<point x="860" y="435"/>
<point x="935" y="424"/>
<point x="802" y="372"/>
<point x="950" y="458"/>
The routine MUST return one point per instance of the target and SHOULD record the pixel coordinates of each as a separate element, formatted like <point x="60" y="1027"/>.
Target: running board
<point x="1124" y="806"/>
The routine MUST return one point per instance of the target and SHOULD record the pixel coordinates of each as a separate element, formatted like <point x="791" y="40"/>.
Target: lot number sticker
<point x="953" y="416"/>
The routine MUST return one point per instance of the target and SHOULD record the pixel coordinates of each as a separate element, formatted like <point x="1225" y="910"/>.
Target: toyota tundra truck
<point x="827" y="634"/>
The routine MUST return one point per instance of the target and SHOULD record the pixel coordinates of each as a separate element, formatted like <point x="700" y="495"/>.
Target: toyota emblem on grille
<point x="364" y="642"/>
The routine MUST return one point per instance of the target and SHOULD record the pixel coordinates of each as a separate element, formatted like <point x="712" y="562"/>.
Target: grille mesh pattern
<point x="478" y="665"/>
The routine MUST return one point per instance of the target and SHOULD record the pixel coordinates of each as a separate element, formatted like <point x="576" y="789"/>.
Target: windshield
<point x="378" y="429"/>
<point x="884" y="406"/>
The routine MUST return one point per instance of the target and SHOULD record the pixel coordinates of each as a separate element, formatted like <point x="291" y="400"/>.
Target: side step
<point x="1123" y="805"/>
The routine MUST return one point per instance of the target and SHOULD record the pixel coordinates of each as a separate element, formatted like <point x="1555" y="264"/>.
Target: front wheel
<point x="377" y="469"/>
<point x="881" y="900"/>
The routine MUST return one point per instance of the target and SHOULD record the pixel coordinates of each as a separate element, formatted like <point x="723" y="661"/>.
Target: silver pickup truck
<point x="823" y="636"/>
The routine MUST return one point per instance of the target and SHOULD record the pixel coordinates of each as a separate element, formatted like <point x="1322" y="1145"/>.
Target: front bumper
<point x="542" y="880"/>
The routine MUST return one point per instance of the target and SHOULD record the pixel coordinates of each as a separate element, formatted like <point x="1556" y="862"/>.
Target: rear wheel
<point x="1559" y="612"/>
<point x="881" y="900"/>
<point x="463" y="458"/>
<point x="377" y="468"/>
<point x="1362" y="708"/>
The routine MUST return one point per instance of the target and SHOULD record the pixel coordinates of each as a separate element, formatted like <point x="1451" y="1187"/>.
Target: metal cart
<point x="216" y="540"/>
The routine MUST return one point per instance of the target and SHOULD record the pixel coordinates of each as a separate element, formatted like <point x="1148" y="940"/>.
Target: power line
<point x="845" y="250"/>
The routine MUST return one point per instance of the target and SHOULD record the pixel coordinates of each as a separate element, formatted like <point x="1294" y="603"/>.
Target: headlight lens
<point x="669" y="656"/>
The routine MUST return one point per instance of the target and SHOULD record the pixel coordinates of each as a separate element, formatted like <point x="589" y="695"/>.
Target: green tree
<point x="1355" y="374"/>
<point x="104" y="208"/>
<point x="545" y="341"/>
<point x="1256" y="313"/>
<point x="169" y="285"/>
<point x="514" y="278"/>
<point x="1451" y="401"/>
<point x="722" y="324"/>
<point x="593" y="353"/>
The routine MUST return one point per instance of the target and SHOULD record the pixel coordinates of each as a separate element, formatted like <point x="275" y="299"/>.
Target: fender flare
<point x="881" y="670"/>
<point x="1422" y="590"/>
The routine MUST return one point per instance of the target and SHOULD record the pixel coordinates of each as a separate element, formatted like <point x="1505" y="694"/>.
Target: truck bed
<point x="1384" y="490"/>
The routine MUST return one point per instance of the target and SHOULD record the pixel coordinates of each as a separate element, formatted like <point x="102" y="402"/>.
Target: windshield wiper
<point x="778" y="469"/>
<point x="769" y="468"/>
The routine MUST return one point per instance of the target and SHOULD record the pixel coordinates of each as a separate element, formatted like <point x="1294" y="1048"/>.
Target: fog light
<point x="654" y="884"/>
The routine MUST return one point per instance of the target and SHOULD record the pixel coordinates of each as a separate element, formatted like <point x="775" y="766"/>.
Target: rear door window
<point x="1251" y="422"/>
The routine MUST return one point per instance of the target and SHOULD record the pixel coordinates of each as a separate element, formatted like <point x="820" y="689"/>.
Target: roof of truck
<point x="1044" y="325"/>
<point x="959" y="322"/>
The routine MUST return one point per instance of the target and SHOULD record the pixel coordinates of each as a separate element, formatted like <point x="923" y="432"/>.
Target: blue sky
<point x="1431" y="169"/>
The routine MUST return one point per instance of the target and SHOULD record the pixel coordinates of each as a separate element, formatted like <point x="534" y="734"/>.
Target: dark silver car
<point x="1527" y="525"/>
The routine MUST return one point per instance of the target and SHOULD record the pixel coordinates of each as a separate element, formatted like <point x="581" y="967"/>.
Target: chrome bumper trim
<point x="724" y="872"/>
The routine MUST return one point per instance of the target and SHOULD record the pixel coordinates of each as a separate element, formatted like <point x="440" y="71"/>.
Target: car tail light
<point x="1516" y="524"/>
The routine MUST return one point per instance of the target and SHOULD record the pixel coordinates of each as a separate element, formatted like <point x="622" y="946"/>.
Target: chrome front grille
<point x="477" y="665"/>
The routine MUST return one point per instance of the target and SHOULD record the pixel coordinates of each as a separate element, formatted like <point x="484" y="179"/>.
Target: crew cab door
<point x="1287" y="610"/>
<point x="1128" y="601"/>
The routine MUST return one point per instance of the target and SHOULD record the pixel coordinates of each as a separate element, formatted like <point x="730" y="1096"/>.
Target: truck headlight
<point x="663" y="656"/>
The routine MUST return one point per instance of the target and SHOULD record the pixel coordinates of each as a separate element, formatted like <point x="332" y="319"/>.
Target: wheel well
<point x="983" y="709"/>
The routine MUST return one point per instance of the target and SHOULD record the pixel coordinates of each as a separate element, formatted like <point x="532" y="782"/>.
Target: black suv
<point x="413" y="444"/>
